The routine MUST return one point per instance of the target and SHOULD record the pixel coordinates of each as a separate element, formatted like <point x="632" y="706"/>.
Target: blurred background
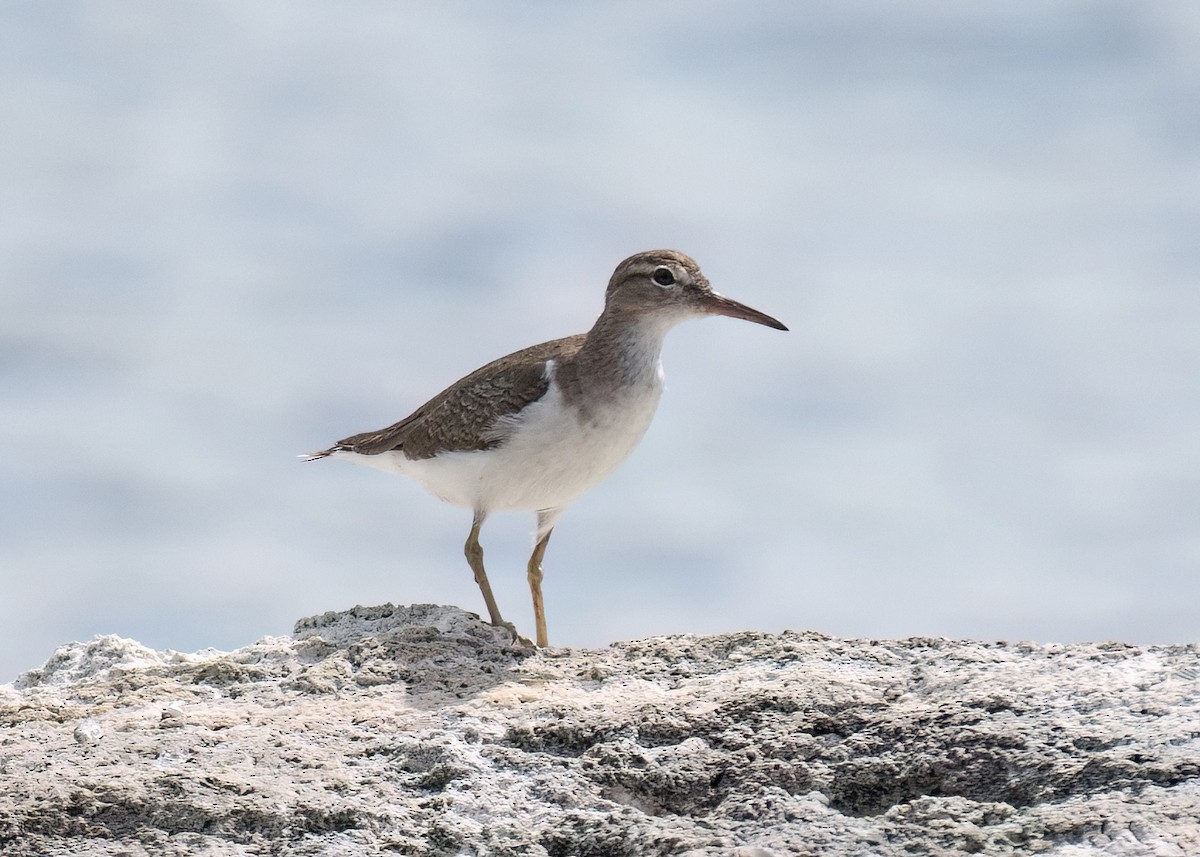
<point x="235" y="232"/>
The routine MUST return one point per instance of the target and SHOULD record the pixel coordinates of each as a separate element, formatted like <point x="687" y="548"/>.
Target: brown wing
<point x="464" y="416"/>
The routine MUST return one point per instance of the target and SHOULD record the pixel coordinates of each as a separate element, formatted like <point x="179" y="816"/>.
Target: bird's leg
<point x="474" y="552"/>
<point x="546" y="519"/>
<point x="535" y="588"/>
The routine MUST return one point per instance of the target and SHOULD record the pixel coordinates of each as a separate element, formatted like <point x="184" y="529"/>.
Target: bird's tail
<point x="324" y="453"/>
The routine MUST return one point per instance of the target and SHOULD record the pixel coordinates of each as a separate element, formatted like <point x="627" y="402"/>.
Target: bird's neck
<point x="622" y="351"/>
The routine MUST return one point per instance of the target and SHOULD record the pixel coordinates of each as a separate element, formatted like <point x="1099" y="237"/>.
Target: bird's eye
<point x="663" y="276"/>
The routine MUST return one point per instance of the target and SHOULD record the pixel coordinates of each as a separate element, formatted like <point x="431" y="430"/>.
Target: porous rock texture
<point x="421" y="730"/>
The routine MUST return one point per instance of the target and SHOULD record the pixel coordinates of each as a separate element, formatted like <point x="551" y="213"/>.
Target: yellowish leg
<point x="535" y="588"/>
<point x="474" y="552"/>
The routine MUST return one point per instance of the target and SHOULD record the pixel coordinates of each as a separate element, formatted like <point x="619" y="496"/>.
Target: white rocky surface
<point x="421" y="730"/>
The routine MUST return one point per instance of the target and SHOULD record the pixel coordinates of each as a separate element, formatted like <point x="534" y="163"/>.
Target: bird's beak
<point x="721" y="305"/>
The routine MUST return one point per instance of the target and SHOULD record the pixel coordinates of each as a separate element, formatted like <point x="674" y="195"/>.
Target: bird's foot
<point x="517" y="640"/>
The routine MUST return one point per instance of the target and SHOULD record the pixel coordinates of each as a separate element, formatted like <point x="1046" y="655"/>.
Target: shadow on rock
<point x="437" y="653"/>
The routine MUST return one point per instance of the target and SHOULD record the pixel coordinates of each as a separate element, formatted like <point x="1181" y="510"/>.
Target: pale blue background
<point x="232" y="232"/>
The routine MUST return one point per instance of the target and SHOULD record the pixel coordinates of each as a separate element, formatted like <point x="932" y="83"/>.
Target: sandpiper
<point x="535" y="430"/>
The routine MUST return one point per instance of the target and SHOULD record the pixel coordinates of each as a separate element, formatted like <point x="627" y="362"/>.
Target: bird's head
<point x="668" y="285"/>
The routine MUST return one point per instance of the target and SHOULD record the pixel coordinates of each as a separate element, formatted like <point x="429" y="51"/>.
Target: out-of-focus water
<point x="231" y="233"/>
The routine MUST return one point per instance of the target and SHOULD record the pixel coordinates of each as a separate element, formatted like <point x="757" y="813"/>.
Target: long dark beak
<point x="721" y="305"/>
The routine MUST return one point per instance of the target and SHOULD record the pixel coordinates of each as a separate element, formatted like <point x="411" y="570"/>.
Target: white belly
<point x="551" y="459"/>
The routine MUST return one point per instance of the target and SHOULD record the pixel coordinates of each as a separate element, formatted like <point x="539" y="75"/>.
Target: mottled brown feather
<point x="465" y="416"/>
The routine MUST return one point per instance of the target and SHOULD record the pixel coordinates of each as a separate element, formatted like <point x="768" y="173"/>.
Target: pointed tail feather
<point x="324" y="453"/>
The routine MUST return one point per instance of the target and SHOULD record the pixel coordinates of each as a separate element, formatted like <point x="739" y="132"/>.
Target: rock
<point x="88" y="732"/>
<point x="424" y="731"/>
<point x="171" y="716"/>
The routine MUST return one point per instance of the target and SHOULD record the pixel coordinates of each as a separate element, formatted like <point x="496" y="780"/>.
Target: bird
<point x="535" y="430"/>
